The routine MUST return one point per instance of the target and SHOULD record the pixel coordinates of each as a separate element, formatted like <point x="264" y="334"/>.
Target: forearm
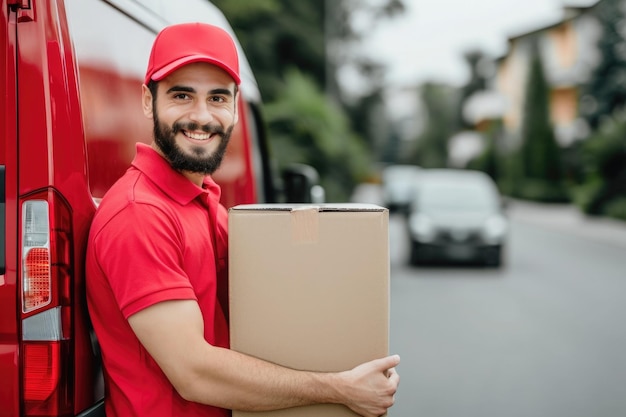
<point x="224" y="378"/>
<point x="232" y="380"/>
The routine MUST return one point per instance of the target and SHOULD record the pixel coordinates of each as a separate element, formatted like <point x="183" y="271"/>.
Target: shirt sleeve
<point x="140" y="252"/>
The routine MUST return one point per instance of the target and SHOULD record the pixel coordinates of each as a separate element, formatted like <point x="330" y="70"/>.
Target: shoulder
<point x="134" y="202"/>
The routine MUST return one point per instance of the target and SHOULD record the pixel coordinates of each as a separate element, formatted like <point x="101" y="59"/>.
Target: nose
<point x="201" y="113"/>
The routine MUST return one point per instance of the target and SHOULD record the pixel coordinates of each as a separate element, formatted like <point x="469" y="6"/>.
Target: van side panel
<point x="52" y="155"/>
<point x="9" y="350"/>
<point x="111" y="57"/>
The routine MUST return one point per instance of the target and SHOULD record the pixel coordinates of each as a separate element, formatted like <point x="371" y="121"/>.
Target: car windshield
<point x="462" y="196"/>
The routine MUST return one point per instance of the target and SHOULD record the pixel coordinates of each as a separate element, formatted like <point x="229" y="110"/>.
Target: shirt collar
<point x="172" y="182"/>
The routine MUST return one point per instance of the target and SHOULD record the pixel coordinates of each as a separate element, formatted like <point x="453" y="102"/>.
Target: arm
<point x="172" y="332"/>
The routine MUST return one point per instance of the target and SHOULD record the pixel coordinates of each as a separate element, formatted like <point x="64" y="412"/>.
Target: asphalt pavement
<point x="569" y="219"/>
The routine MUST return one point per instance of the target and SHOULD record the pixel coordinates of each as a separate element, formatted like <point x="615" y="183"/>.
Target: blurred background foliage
<point x="539" y="155"/>
<point x="297" y="49"/>
<point x="602" y="190"/>
<point x="431" y="148"/>
<point x="309" y="120"/>
<point x="308" y="128"/>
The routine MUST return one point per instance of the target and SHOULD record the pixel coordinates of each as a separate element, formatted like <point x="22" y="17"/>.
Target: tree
<point x="348" y="22"/>
<point x="606" y="90"/>
<point x="432" y="144"/>
<point x="279" y="35"/>
<point x="605" y="155"/>
<point x="287" y="42"/>
<point x="319" y="135"/>
<point x="314" y="36"/>
<point x="476" y="83"/>
<point x="539" y="151"/>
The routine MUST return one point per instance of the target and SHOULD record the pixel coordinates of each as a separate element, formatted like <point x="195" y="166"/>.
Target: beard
<point x="198" y="161"/>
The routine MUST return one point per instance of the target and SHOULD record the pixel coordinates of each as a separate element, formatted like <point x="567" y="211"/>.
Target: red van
<point x="70" y="88"/>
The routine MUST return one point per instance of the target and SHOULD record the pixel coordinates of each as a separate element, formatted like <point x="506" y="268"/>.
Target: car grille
<point x="458" y="236"/>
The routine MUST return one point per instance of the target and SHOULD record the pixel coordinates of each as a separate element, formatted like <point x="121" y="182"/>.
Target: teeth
<point x="198" y="136"/>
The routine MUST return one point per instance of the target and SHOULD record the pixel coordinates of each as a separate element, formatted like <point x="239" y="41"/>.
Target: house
<point x="568" y="51"/>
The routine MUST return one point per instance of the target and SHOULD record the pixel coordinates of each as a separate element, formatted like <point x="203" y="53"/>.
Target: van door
<point x="48" y="211"/>
<point x="9" y="348"/>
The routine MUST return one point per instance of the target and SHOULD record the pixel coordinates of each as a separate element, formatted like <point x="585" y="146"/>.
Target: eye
<point x="181" y="96"/>
<point x="217" y="99"/>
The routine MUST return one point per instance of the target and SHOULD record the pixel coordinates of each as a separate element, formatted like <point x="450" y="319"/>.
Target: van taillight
<point x="37" y="278"/>
<point x="36" y="255"/>
<point x="47" y="349"/>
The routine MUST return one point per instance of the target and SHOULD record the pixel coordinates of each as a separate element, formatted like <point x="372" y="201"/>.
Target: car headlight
<point x="495" y="229"/>
<point x="422" y="228"/>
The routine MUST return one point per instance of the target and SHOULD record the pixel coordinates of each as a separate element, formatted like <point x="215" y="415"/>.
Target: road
<point x="543" y="336"/>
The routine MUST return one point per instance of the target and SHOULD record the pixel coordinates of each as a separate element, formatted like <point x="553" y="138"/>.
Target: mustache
<point x="208" y="128"/>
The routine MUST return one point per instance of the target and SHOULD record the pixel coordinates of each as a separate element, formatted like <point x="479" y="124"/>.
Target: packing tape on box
<point x="305" y="224"/>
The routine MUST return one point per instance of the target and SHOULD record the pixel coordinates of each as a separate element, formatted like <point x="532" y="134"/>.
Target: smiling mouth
<point x="197" y="136"/>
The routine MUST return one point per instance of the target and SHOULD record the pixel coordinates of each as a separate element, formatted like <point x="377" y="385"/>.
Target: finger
<point x="389" y="372"/>
<point x="394" y="377"/>
<point x="388" y="362"/>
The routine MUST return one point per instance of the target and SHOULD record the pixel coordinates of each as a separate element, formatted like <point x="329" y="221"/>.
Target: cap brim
<point x="173" y="66"/>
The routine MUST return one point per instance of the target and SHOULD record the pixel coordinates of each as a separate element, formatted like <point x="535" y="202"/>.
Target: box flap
<point x="331" y="207"/>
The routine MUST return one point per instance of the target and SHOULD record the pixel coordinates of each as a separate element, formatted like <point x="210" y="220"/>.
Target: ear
<point x="146" y="101"/>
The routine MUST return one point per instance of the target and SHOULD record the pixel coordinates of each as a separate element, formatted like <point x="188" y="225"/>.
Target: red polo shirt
<point x="152" y="240"/>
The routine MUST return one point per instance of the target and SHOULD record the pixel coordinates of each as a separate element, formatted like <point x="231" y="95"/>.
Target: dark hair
<point x="152" y="86"/>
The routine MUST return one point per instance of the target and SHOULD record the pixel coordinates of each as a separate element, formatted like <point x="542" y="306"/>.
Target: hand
<point x="372" y="386"/>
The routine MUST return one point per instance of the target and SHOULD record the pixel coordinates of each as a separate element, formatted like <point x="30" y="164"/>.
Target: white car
<point x="456" y="215"/>
<point x="398" y="182"/>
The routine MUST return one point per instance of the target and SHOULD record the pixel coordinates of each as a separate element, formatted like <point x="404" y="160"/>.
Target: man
<point x="156" y="260"/>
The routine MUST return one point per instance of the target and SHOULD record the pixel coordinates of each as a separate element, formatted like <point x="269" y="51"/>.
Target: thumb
<point x="387" y="363"/>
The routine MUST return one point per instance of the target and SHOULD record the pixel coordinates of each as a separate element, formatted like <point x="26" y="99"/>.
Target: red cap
<point x="182" y="44"/>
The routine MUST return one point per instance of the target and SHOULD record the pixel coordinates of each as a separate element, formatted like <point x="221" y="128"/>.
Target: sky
<point x="428" y="41"/>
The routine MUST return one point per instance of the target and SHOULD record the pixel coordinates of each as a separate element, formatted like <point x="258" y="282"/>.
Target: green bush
<point x="616" y="208"/>
<point x="604" y="154"/>
<point x="542" y="191"/>
<point x="584" y="195"/>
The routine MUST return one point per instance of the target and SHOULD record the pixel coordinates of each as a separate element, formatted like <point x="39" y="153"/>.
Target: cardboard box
<point x="309" y="288"/>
